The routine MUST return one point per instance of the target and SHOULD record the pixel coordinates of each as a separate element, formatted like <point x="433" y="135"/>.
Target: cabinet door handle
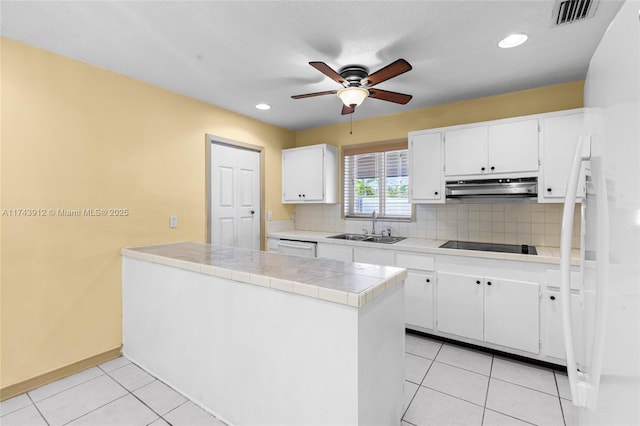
<point x="552" y="297"/>
<point x="488" y="282"/>
<point x="493" y="168"/>
<point x="435" y="193"/>
<point x="548" y="189"/>
<point x="478" y="282"/>
<point x="482" y="169"/>
<point x="428" y="280"/>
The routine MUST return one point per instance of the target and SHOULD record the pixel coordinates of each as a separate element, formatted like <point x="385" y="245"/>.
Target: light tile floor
<point x="445" y="384"/>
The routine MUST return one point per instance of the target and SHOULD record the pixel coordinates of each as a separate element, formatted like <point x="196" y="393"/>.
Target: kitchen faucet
<point x="374" y="217"/>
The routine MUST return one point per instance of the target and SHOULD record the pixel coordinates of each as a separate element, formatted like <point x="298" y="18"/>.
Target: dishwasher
<point x="297" y="248"/>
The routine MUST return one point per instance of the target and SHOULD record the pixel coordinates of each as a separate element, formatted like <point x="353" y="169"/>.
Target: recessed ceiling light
<point x="263" y="106"/>
<point x="512" y="40"/>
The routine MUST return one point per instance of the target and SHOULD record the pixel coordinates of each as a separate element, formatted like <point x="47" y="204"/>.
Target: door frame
<point x="211" y="139"/>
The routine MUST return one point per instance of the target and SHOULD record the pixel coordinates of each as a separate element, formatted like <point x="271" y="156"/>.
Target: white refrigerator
<point x="606" y="387"/>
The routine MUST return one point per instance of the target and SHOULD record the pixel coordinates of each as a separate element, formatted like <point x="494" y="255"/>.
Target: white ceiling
<point x="235" y="54"/>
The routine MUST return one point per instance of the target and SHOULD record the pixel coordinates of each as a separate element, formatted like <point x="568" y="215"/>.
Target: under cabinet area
<point x="310" y="174"/>
<point x="499" y="148"/>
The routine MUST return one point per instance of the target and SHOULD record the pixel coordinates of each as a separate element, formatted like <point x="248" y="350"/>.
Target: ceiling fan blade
<point x="310" y="95"/>
<point x="393" y="69"/>
<point x="328" y="71"/>
<point x="347" y="110"/>
<point x="385" y="95"/>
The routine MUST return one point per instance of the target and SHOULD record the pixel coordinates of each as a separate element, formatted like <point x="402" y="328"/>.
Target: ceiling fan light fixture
<point x="353" y="96"/>
<point x="512" y="40"/>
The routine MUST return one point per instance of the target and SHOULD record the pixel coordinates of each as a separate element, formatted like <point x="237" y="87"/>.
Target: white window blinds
<point x="376" y="178"/>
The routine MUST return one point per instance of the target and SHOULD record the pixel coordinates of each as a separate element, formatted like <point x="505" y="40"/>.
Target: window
<point x="376" y="177"/>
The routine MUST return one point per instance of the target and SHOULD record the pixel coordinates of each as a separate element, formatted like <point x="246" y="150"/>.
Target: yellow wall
<point x="396" y="126"/>
<point x="76" y="136"/>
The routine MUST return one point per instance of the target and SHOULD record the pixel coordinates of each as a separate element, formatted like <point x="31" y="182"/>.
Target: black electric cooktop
<point x="502" y="248"/>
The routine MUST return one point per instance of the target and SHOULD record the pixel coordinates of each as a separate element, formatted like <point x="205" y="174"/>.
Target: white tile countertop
<point x="353" y="284"/>
<point x="549" y="255"/>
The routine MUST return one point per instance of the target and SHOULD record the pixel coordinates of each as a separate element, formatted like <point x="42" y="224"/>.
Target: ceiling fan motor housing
<point x="354" y="74"/>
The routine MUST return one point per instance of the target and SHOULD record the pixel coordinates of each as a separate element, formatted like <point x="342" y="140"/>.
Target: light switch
<point x="269" y="215"/>
<point x="173" y="221"/>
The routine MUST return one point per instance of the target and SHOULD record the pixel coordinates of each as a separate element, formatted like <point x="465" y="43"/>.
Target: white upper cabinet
<point x="559" y="135"/>
<point x="466" y="151"/>
<point x="310" y="174"/>
<point x="493" y="149"/>
<point x="426" y="175"/>
<point x="513" y="147"/>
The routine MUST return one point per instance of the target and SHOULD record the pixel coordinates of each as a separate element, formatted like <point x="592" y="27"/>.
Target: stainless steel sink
<point x="384" y="240"/>
<point x="368" y="238"/>
<point x="353" y="237"/>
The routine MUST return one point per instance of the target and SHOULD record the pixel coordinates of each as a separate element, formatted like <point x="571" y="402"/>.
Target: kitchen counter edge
<point x="394" y="277"/>
<point x="548" y="255"/>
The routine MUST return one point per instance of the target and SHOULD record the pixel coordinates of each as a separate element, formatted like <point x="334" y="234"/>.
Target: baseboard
<point x="59" y="373"/>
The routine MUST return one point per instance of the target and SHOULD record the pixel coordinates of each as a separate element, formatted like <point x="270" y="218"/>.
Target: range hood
<point x="494" y="188"/>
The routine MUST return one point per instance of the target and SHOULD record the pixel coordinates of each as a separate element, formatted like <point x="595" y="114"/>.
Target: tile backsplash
<point x="511" y="223"/>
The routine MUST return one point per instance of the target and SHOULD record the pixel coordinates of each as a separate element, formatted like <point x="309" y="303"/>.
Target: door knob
<point x="253" y="212"/>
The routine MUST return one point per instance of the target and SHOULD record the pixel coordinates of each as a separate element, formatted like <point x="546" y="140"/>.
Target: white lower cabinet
<point x="512" y="314"/>
<point x="334" y="251"/>
<point x="500" y="311"/>
<point x="418" y="291"/>
<point x="460" y="305"/>
<point x="553" y="343"/>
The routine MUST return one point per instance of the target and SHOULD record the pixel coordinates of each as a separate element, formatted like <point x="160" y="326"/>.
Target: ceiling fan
<point x="358" y="84"/>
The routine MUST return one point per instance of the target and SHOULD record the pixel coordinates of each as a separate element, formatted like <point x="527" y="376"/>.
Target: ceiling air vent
<point x="568" y="11"/>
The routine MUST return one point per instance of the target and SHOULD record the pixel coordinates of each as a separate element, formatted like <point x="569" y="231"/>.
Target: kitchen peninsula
<point x="265" y="338"/>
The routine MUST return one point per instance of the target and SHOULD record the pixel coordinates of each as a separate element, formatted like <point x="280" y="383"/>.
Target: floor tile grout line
<point x="419" y="384"/>
<point x="65" y="389"/>
<point x="136" y="396"/>
<point x="95" y="409"/>
<point x="526" y="387"/>
<point x="461" y="368"/>
<point x="555" y="379"/>
<point x="510" y="416"/>
<point x="486" y="395"/>
<point x="37" y="409"/>
<point x="180" y="405"/>
<point x="453" y="396"/>
<point x="122" y="366"/>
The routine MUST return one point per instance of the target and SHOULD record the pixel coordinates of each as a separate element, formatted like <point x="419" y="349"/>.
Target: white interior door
<point x="235" y="197"/>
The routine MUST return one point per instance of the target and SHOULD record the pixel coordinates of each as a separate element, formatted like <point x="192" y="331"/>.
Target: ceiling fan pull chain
<point x="350" y="124"/>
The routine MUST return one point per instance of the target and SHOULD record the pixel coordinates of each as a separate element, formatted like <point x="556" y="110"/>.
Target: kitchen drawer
<point x="414" y="261"/>
<point x="553" y="279"/>
<point x="373" y="256"/>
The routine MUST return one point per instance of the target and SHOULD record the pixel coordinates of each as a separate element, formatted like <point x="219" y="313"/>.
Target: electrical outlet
<point x="293" y="218"/>
<point x="269" y="215"/>
<point x="173" y="221"/>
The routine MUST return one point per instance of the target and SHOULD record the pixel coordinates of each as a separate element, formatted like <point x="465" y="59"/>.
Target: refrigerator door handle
<point x="576" y="379"/>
